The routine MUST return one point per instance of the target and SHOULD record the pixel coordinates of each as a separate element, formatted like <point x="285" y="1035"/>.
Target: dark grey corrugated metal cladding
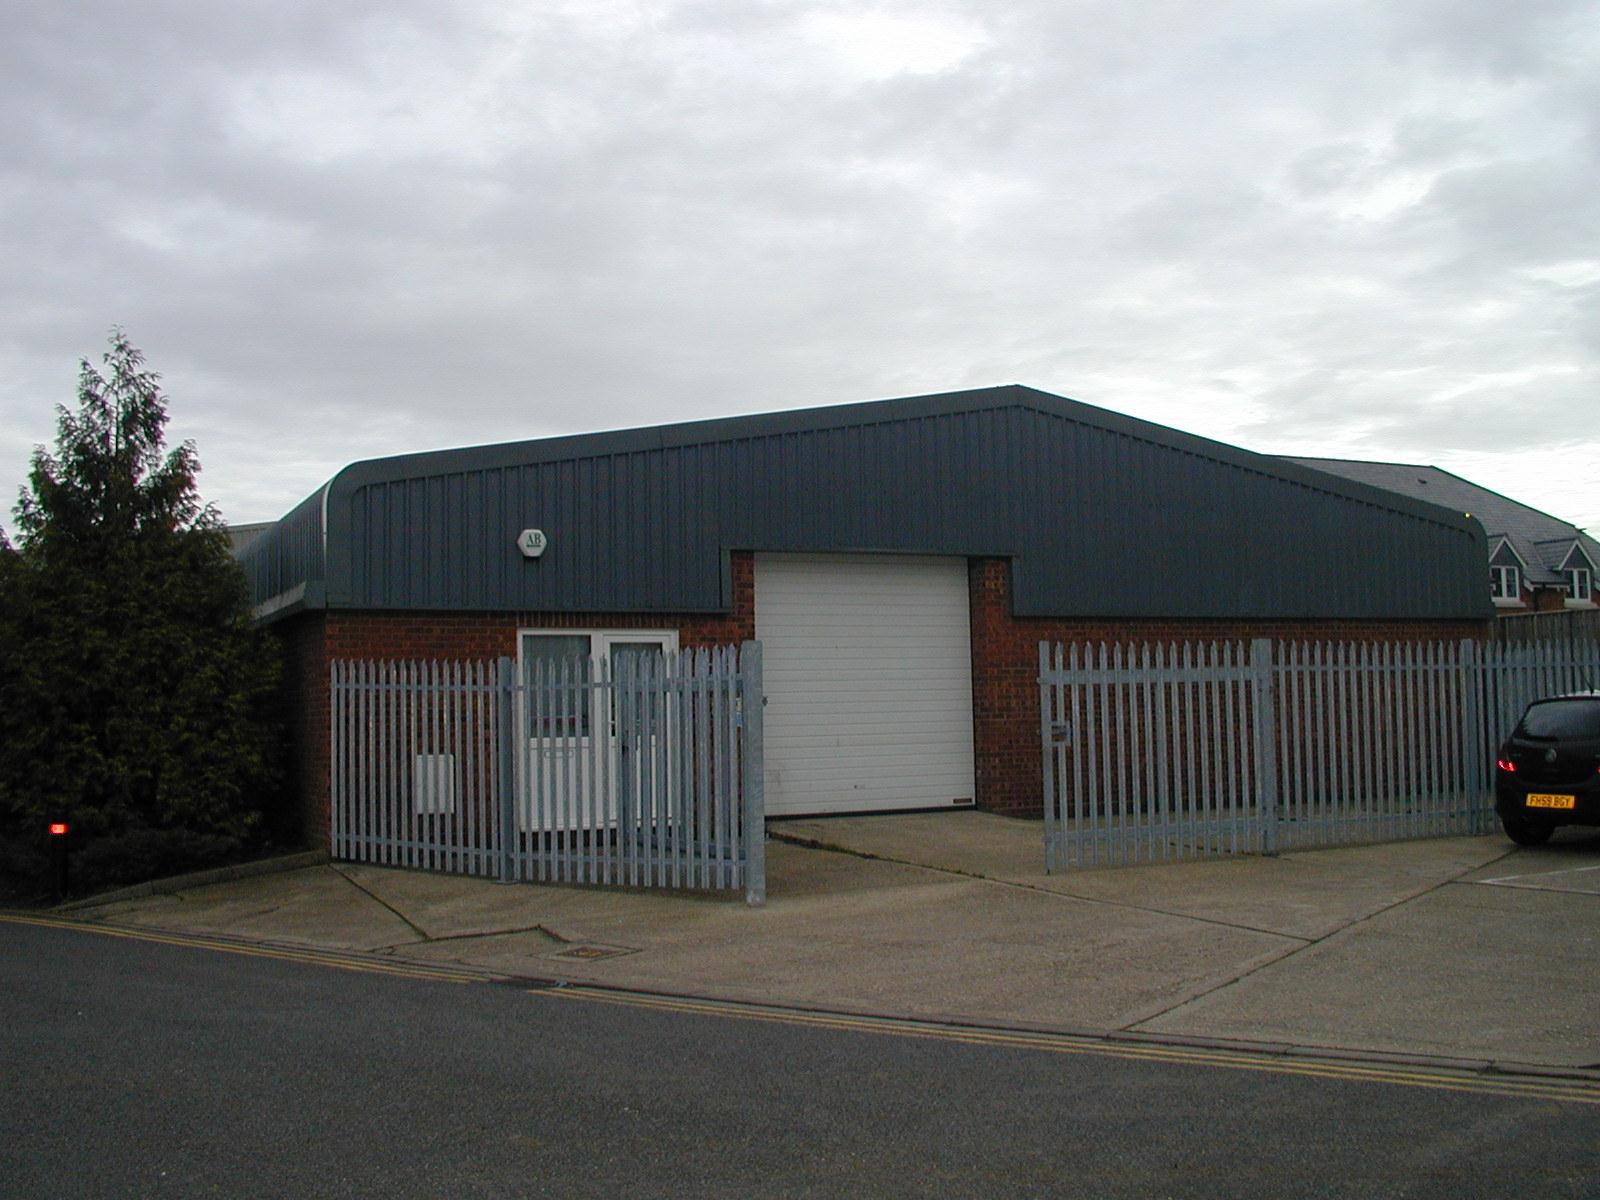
<point x="1102" y="515"/>
<point x="286" y="562"/>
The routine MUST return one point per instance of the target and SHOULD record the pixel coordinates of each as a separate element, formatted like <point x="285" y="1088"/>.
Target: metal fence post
<point x="1474" y="677"/>
<point x="506" y="754"/>
<point x="1264" y="712"/>
<point x="753" y="816"/>
<point x="336" y="780"/>
<point x="1048" y="751"/>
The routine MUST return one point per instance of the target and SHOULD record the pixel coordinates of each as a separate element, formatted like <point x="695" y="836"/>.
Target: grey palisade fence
<point x="639" y="770"/>
<point x="1156" y="752"/>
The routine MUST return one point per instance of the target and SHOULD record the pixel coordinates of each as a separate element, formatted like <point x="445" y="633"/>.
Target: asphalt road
<point x="132" y="1067"/>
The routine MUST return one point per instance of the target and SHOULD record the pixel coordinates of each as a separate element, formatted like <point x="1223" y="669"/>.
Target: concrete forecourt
<point x="1466" y="953"/>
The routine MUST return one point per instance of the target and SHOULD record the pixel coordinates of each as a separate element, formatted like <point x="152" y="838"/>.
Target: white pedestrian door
<point x="577" y="764"/>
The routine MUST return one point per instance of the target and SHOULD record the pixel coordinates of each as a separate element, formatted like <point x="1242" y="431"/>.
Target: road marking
<point x="1574" y="1091"/>
<point x="321" y="958"/>
<point x="1518" y="880"/>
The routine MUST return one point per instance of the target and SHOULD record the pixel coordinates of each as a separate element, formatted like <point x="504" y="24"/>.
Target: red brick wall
<point x="1545" y="599"/>
<point x="1537" y="599"/>
<point x="1005" y="670"/>
<point x="1005" y="658"/>
<point x="313" y="640"/>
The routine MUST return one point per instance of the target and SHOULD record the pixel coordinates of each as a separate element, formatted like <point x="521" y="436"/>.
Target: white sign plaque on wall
<point x="532" y="542"/>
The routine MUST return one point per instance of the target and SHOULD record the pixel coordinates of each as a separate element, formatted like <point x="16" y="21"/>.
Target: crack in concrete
<point x="1278" y="960"/>
<point x="410" y="924"/>
<point x="813" y="844"/>
<point x="1305" y="943"/>
<point x="425" y="938"/>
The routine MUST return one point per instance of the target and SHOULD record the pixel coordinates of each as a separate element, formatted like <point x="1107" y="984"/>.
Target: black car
<point x="1548" y="771"/>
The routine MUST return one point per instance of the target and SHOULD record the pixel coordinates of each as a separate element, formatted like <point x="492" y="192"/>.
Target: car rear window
<point x="1562" y="719"/>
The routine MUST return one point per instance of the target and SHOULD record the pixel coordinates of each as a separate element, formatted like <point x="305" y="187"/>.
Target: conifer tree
<point x="134" y="695"/>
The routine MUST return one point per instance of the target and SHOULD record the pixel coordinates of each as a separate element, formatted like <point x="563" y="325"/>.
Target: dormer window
<point x="1581" y="586"/>
<point x="1505" y="583"/>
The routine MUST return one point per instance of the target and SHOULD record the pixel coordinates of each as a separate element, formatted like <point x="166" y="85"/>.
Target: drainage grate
<point x="588" y="952"/>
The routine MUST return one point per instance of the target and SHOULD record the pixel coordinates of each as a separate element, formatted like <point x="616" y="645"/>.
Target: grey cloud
<point x="343" y="232"/>
<point x="1508" y="416"/>
<point x="1513" y="40"/>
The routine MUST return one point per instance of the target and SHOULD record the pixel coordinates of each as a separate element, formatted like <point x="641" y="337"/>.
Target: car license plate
<point x="1544" y="800"/>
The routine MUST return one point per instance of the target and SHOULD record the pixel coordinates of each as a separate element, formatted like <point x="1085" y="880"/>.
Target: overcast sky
<point x="348" y="229"/>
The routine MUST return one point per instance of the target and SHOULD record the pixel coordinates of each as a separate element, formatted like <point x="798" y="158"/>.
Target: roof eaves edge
<point x="1380" y="497"/>
<point x="354" y="476"/>
<point x="535" y="451"/>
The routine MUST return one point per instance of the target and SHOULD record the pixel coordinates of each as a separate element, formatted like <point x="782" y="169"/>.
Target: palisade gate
<point x="639" y="769"/>
<point x="1155" y="752"/>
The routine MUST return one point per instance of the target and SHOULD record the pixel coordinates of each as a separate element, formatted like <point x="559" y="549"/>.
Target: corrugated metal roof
<point x="240" y="536"/>
<point x="1542" y="542"/>
<point x="1102" y="515"/>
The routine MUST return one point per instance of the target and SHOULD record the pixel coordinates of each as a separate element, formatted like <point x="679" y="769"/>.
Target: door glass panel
<point x="636" y="651"/>
<point x="557" y="711"/>
<point x="639" y="657"/>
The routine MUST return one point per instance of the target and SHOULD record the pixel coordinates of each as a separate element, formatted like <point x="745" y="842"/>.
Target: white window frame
<point x="1505" y="584"/>
<point x="1581" y="585"/>
<point x="579" y="748"/>
<point x="601" y="640"/>
<point x="600" y="643"/>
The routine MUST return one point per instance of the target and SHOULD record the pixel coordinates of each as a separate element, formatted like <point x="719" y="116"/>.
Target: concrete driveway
<point x="1463" y="949"/>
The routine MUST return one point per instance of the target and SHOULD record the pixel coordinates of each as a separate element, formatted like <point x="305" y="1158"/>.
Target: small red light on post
<point x="59" y="851"/>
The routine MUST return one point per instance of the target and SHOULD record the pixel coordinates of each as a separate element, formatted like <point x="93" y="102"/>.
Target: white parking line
<point x="1518" y="880"/>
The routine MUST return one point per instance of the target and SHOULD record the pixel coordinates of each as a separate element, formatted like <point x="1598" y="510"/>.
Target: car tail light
<point x="1505" y="764"/>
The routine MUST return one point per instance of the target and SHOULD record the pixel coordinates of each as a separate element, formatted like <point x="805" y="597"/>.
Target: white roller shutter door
<point x="868" y="675"/>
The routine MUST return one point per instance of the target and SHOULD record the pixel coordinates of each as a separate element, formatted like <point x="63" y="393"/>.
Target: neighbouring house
<point x="1536" y="562"/>
<point x="900" y="561"/>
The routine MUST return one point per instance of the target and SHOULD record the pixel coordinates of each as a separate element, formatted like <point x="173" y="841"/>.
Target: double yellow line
<point x="1567" y="1091"/>
<point x="320" y="958"/>
<point x="1573" y="1091"/>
